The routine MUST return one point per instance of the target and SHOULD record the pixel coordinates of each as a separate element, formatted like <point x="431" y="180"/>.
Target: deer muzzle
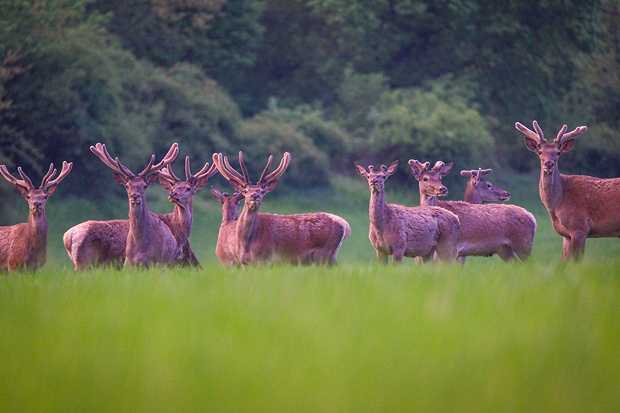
<point x="135" y="199"/>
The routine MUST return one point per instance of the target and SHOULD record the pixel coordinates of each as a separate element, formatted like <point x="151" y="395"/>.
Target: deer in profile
<point x="481" y="191"/>
<point x="580" y="206"/>
<point x="262" y="238"/>
<point x="149" y="240"/>
<point x="93" y="243"/>
<point x="225" y="250"/>
<point x="24" y="246"/>
<point x="400" y="231"/>
<point x="486" y="229"/>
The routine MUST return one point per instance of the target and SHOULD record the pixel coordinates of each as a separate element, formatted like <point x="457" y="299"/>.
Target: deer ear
<point x="270" y="185"/>
<point x="51" y="190"/>
<point x="165" y="183"/>
<point x="361" y="170"/>
<point x="392" y="168"/>
<point x="237" y="186"/>
<point x="200" y="183"/>
<point x="567" y="145"/>
<point x="120" y="178"/>
<point x="417" y="174"/>
<point x="150" y="180"/>
<point x="531" y="144"/>
<point x="445" y="170"/>
<point x="22" y="190"/>
<point x="217" y="194"/>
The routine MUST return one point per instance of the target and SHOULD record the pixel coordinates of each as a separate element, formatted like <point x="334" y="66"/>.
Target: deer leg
<point x="506" y="253"/>
<point x="382" y="257"/>
<point x="578" y="242"/>
<point x="397" y="256"/>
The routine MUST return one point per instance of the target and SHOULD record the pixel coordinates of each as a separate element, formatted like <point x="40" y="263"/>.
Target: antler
<point x="151" y="169"/>
<point x="25" y="181"/>
<point x="538" y="136"/>
<point x="438" y="166"/>
<point x="46" y="183"/>
<point x="228" y="171"/>
<point x="563" y="136"/>
<point x="167" y="173"/>
<point x="277" y="173"/>
<point x="114" y="163"/>
<point x="420" y="166"/>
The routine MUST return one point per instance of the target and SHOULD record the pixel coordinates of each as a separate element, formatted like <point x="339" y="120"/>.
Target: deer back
<point x="94" y="243"/>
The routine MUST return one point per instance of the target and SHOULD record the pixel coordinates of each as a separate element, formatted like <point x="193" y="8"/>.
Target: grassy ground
<point x="483" y="337"/>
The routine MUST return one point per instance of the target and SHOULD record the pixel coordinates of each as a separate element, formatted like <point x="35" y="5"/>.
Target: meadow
<point x="483" y="337"/>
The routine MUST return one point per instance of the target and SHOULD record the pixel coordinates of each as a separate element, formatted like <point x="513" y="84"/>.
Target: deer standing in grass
<point x="260" y="237"/>
<point x="400" y="231"/>
<point x="24" y="246"/>
<point x="486" y="229"/>
<point x="225" y="250"/>
<point x="481" y="191"/>
<point x="149" y="240"/>
<point x="93" y="243"/>
<point x="580" y="206"/>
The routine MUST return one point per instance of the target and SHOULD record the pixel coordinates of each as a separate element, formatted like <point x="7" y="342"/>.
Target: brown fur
<point x="400" y="231"/>
<point x="579" y="206"/>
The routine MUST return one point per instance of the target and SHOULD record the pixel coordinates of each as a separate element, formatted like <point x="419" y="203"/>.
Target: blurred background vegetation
<point x="331" y="81"/>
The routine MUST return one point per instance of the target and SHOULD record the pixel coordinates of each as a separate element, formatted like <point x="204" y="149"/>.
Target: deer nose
<point x="255" y="197"/>
<point x="37" y="204"/>
<point x="135" y="197"/>
<point x="443" y="190"/>
<point x="549" y="164"/>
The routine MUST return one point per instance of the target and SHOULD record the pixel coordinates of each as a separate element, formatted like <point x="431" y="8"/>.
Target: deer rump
<point x="493" y="228"/>
<point x="299" y="238"/>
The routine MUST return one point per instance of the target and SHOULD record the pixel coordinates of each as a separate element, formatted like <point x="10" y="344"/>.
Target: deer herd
<point x="580" y="207"/>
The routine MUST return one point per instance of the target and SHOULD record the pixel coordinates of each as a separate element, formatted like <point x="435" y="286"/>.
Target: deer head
<point x="430" y="179"/>
<point x="253" y="193"/>
<point x="484" y="191"/>
<point x="135" y="185"/>
<point x="376" y="179"/>
<point x="182" y="192"/>
<point x="230" y="204"/>
<point x="37" y="197"/>
<point x="549" y="153"/>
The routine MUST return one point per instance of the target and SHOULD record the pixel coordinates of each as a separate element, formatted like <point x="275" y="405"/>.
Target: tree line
<point x="330" y="81"/>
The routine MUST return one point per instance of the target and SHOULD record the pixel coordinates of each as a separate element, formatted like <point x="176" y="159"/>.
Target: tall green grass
<point x="483" y="337"/>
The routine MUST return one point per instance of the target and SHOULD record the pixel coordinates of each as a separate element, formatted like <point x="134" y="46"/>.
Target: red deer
<point x="505" y="230"/>
<point x="580" y="206"/>
<point x="261" y="238"/>
<point x="400" y="231"/>
<point x="481" y="191"/>
<point x="149" y="240"/>
<point x="225" y="249"/>
<point x="93" y="243"/>
<point x="24" y="246"/>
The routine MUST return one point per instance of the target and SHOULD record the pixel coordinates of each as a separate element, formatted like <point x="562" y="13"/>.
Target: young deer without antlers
<point x="24" y="246"/>
<point x="481" y="191"/>
<point x="400" y="231"/>
<point x="149" y="240"/>
<point x="225" y="249"/>
<point x="580" y="206"/>
<point x="306" y="238"/>
<point x="505" y="230"/>
<point x="93" y="243"/>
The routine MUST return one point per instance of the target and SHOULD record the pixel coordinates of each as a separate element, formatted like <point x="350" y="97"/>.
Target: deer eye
<point x="425" y="179"/>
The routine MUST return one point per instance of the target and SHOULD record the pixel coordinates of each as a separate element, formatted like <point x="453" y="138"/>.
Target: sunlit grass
<point x="486" y="336"/>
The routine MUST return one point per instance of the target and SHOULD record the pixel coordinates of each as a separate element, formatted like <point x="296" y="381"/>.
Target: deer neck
<point x="140" y="221"/>
<point x="426" y="200"/>
<point x="183" y="217"/>
<point x="37" y="225"/>
<point x="247" y="224"/>
<point x="551" y="188"/>
<point x="471" y="195"/>
<point x="378" y="209"/>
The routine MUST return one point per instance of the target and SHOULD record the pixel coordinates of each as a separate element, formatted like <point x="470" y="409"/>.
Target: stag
<point x="580" y="206"/>
<point x="225" y="250"/>
<point x="93" y="243"/>
<point x="486" y="229"/>
<point x="24" y="246"/>
<point x="149" y="239"/>
<point x="481" y="191"/>
<point x="400" y="231"/>
<point x="261" y="238"/>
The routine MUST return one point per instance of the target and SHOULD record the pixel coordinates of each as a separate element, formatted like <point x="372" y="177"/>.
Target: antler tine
<point x="246" y="176"/>
<point x="530" y="133"/>
<point x="483" y="172"/>
<point x="22" y="182"/>
<point x="562" y="136"/>
<point x="417" y="164"/>
<point x="262" y="176"/>
<point x="50" y="173"/>
<point x="539" y="132"/>
<point x="205" y="171"/>
<point x="170" y="156"/>
<point x="226" y="170"/>
<point x="233" y="172"/>
<point x="25" y="177"/>
<point x="168" y="174"/>
<point x="286" y="159"/>
<point x="66" y="168"/>
<point x="102" y="152"/>
<point x="438" y="165"/>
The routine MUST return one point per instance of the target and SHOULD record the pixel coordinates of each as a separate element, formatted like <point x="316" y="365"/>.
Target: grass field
<point x="483" y="337"/>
